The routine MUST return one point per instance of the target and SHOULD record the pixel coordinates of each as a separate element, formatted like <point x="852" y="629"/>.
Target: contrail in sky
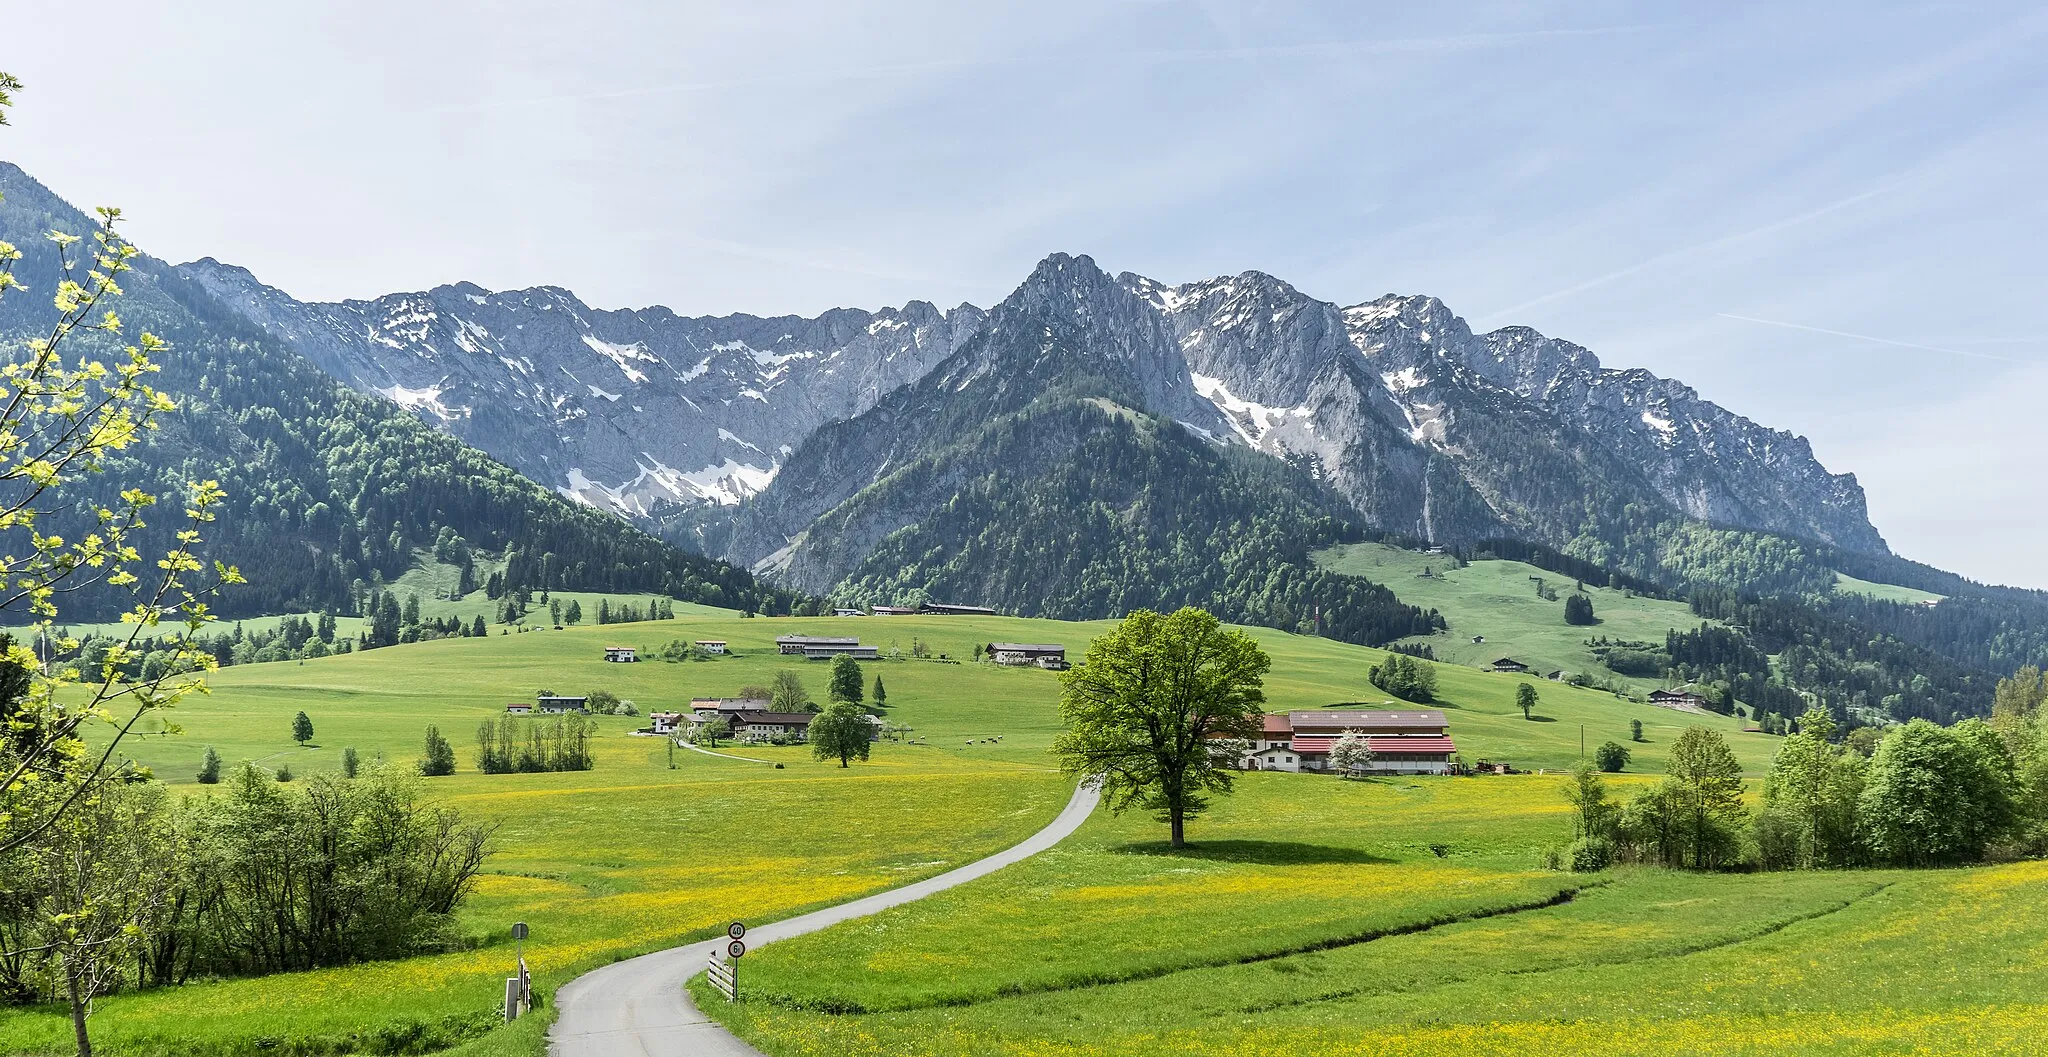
<point x="1866" y="337"/>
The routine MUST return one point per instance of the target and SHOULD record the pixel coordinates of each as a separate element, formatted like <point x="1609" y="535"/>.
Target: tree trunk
<point x="77" y="1011"/>
<point x="1180" y="839"/>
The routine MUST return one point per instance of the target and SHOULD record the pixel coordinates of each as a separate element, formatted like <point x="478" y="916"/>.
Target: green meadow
<point x="1498" y="600"/>
<point x="1404" y="917"/>
<point x="651" y="848"/>
<point x="1846" y="584"/>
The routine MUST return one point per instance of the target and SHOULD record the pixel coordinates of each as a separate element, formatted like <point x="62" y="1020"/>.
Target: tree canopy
<point x="1156" y="710"/>
<point x="842" y="731"/>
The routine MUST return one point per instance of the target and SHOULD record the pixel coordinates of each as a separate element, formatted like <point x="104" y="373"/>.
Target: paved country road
<point x="638" y="1008"/>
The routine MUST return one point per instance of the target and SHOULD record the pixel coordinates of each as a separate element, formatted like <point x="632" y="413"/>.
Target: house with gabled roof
<point x="1405" y="741"/>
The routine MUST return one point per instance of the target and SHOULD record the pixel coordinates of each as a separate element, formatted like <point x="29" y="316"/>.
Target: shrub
<point x="1589" y="855"/>
<point x="1612" y="757"/>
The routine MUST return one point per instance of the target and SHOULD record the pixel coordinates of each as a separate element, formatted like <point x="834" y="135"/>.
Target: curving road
<point x="638" y="1008"/>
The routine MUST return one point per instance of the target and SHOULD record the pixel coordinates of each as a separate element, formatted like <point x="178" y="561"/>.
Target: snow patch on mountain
<point x="1252" y="421"/>
<point x="623" y="356"/>
<point x="417" y="400"/>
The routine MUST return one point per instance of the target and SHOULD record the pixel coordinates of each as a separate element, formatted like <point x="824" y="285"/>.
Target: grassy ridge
<point x="1846" y="584"/>
<point x="1497" y="599"/>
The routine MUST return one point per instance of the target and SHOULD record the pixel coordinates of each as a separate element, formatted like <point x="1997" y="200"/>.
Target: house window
<point x="1290" y="759"/>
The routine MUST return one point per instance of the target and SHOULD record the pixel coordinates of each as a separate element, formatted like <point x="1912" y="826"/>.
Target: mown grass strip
<point x="1081" y="981"/>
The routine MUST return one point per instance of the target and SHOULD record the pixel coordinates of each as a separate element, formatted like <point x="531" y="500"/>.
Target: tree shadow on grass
<point x="1257" y="852"/>
<point x="1542" y="719"/>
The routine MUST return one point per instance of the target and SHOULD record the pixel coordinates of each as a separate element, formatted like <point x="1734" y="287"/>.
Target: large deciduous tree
<point x="846" y="680"/>
<point x="1937" y="795"/>
<point x="1810" y="800"/>
<point x="841" y="731"/>
<point x="1153" y="708"/>
<point x="1692" y="817"/>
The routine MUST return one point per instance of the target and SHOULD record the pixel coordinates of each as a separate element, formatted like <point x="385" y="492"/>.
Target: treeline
<point x="1926" y="795"/>
<point x="137" y="888"/>
<point x="510" y="745"/>
<point x="1854" y="670"/>
<point x="1093" y="515"/>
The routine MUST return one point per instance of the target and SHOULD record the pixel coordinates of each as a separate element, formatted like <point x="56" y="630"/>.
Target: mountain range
<point x="1424" y="428"/>
<point x="1090" y="444"/>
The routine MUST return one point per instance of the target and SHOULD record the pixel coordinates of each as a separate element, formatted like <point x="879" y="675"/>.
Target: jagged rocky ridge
<point x="635" y="412"/>
<point x="1423" y="427"/>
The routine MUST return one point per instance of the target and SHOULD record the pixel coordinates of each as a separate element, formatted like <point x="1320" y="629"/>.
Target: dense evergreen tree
<point x="1578" y="609"/>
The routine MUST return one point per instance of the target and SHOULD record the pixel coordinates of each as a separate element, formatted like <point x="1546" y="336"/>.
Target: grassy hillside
<point x="1498" y="600"/>
<point x="634" y="855"/>
<point x="1846" y="584"/>
<point x="380" y="700"/>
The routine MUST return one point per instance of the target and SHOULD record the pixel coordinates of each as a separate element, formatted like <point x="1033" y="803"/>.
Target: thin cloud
<point x="1376" y="46"/>
<point x="1870" y="338"/>
<point x="1704" y="247"/>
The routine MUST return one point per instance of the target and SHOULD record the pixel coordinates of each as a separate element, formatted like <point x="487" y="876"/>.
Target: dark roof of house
<point x="1506" y="661"/>
<point x="1363" y="720"/>
<point x="1318" y="744"/>
<point x="783" y="719"/>
<point x="818" y="640"/>
<point x="1027" y="647"/>
<point x="545" y="698"/>
<point x="1278" y="723"/>
<point x="730" y="704"/>
<point x="945" y="607"/>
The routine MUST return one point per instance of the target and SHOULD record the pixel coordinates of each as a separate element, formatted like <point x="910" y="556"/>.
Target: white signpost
<point x="518" y="989"/>
<point x="724" y="974"/>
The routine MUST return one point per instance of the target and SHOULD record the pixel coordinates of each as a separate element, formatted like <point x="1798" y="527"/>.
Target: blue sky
<point x="1828" y="218"/>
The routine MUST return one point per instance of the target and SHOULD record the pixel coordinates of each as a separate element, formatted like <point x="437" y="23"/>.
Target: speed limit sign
<point x="736" y="930"/>
<point x="735" y="949"/>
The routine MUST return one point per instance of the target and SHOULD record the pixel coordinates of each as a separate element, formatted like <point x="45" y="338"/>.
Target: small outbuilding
<point x="519" y="708"/>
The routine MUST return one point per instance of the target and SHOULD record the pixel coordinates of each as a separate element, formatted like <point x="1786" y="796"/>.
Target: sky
<point x="1828" y="218"/>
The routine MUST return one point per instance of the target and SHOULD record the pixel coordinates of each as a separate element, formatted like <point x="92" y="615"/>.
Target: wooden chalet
<point x="1678" y="698"/>
<point x="545" y="703"/>
<point x="1508" y="664"/>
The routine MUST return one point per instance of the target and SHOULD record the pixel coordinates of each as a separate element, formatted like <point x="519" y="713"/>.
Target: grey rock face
<point x="631" y="411"/>
<point x="762" y="426"/>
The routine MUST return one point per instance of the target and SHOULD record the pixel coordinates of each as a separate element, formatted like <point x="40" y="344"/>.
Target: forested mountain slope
<point x="1041" y="469"/>
<point x="328" y="489"/>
